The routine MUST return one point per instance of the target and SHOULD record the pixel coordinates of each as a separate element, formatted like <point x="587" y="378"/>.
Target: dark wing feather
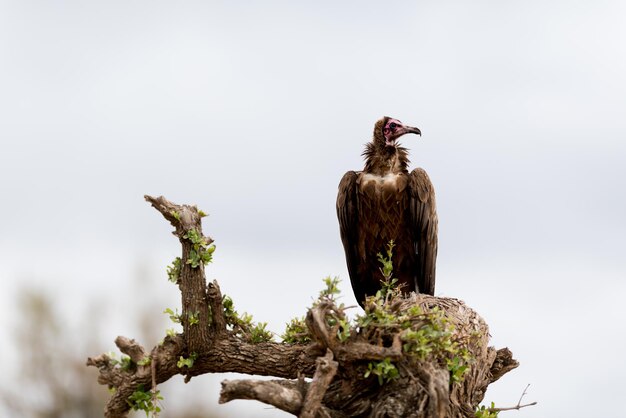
<point x="347" y="213"/>
<point x="423" y="215"/>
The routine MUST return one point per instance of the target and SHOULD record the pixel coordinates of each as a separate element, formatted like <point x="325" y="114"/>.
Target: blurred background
<point x="254" y="112"/>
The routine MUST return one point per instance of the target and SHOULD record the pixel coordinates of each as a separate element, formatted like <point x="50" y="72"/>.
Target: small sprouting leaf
<point x="384" y="370"/>
<point x="144" y="361"/>
<point x="258" y="333"/>
<point x="186" y="362"/>
<point x="173" y="271"/>
<point x="193" y="319"/>
<point x="174" y="316"/>
<point x="296" y="332"/>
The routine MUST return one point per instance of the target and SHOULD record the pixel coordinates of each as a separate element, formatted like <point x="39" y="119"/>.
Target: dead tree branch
<point x="403" y="379"/>
<point x="283" y="394"/>
<point x="516" y="407"/>
<point x="324" y="373"/>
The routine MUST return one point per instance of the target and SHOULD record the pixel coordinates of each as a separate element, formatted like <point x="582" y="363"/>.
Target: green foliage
<point x="202" y="252"/>
<point x="426" y="335"/>
<point x="187" y="362"/>
<point x="458" y="366"/>
<point x="170" y="332"/>
<point x="335" y="316"/>
<point x="193" y="318"/>
<point x="387" y="263"/>
<point x="124" y="363"/>
<point x="173" y="271"/>
<point x="202" y="213"/>
<point x="332" y="288"/>
<point x="432" y="336"/>
<point x="144" y="361"/>
<point x="174" y="316"/>
<point x="385" y="370"/>
<point x="242" y="325"/>
<point x="145" y="400"/>
<point x="377" y="314"/>
<point x="245" y="320"/>
<point x="258" y="333"/>
<point x="200" y="257"/>
<point x="296" y="332"/>
<point x="343" y="329"/>
<point x="176" y="215"/>
<point x="230" y="314"/>
<point x="486" y="412"/>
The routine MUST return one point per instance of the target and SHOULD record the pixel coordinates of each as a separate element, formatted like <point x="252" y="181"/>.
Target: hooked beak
<point x="411" y="130"/>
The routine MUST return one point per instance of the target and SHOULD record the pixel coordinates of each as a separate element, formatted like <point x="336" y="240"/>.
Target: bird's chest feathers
<point x="388" y="188"/>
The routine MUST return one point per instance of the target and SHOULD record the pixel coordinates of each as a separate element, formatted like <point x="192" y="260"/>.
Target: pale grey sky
<point x="255" y="111"/>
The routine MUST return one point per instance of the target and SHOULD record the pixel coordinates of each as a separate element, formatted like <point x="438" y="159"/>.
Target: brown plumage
<point x="382" y="203"/>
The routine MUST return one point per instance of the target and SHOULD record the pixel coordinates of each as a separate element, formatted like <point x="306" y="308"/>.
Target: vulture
<point x="385" y="202"/>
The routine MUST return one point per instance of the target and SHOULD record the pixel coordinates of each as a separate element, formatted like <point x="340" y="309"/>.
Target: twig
<point x="523" y="394"/>
<point x="516" y="407"/>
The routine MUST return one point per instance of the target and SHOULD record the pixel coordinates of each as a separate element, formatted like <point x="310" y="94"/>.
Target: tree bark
<point x="337" y="366"/>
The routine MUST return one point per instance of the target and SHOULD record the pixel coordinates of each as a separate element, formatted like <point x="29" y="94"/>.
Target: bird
<point x="385" y="202"/>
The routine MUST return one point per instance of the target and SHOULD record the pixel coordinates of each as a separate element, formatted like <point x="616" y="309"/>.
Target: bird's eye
<point x="393" y="125"/>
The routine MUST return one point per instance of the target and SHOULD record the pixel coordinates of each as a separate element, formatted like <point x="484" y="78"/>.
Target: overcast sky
<point x="255" y="111"/>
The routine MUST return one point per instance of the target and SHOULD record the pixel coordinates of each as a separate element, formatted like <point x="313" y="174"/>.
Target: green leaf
<point x="258" y="333"/>
<point x="173" y="270"/>
<point x="385" y="370"/>
<point x="143" y="400"/>
<point x="186" y="362"/>
<point x="144" y="361"/>
<point x="193" y="318"/>
<point x="174" y="317"/>
<point x="296" y="332"/>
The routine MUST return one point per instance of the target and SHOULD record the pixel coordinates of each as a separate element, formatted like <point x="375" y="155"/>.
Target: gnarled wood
<point x="192" y="281"/>
<point x="338" y="389"/>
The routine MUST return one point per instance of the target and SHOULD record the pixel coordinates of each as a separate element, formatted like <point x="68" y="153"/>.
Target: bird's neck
<point x="382" y="160"/>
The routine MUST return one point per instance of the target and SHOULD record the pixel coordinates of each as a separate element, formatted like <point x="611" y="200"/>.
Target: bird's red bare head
<point x="388" y="130"/>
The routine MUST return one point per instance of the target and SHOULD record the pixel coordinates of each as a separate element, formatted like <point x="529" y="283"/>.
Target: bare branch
<point x="516" y="407"/>
<point x="324" y="373"/>
<point x="282" y="394"/>
<point x="131" y="348"/>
